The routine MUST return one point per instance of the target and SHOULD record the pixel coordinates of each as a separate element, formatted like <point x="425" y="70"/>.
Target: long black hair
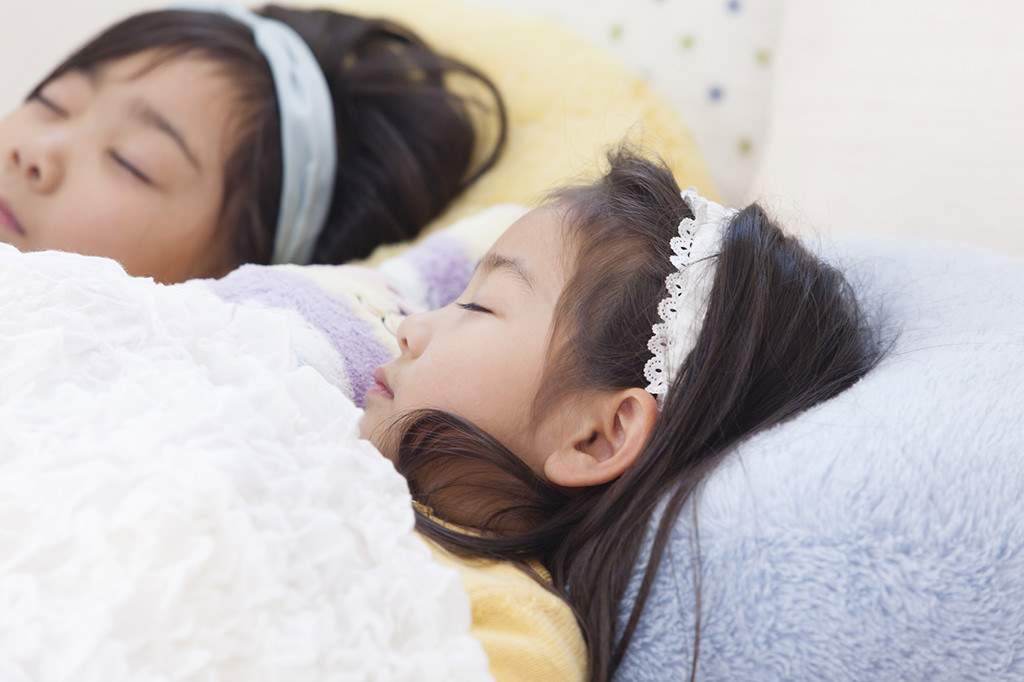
<point x="783" y="331"/>
<point x="408" y="141"/>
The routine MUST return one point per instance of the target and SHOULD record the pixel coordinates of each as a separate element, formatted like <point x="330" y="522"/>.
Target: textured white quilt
<point x="182" y="498"/>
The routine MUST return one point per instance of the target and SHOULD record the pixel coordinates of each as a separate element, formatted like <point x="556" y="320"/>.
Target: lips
<point x="381" y="387"/>
<point x="7" y="220"/>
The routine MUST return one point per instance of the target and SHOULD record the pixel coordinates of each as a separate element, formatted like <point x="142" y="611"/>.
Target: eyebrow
<point x="493" y="262"/>
<point x="155" y="119"/>
<point x="151" y="117"/>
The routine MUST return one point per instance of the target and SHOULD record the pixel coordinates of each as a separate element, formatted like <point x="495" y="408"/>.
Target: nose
<point x="40" y="161"/>
<point x="414" y="334"/>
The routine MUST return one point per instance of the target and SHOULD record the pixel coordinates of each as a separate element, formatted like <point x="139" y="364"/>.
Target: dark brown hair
<point x="783" y="331"/>
<point x="408" y="142"/>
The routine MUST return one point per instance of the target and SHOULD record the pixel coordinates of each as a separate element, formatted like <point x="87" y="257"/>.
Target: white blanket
<point x="181" y="498"/>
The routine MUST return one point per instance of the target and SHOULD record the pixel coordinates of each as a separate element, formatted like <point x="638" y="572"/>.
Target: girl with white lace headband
<point x="609" y="350"/>
<point x="187" y="141"/>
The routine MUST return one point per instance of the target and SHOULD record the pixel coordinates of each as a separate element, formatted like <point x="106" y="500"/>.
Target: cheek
<point x="148" y="236"/>
<point x="499" y="400"/>
<point x="494" y="390"/>
<point x="95" y="219"/>
<point x="14" y="127"/>
<point x="194" y="219"/>
<point x="201" y="203"/>
<point x="434" y="391"/>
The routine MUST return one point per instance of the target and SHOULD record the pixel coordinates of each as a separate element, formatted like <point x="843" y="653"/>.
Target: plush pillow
<point x="878" y="535"/>
<point x="713" y="61"/>
<point x="568" y="100"/>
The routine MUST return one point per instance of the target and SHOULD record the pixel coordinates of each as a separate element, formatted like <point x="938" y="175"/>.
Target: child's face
<point x="482" y="357"/>
<point x="124" y="162"/>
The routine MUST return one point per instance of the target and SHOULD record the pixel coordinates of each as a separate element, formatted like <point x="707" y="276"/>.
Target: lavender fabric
<point x="357" y="309"/>
<point x="443" y="268"/>
<point x="352" y="336"/>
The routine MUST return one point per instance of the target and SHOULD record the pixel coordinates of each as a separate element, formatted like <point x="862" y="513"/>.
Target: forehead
<point x="190" y="90"/>
<point x="158" y="66"/>
<point x="539" y="242"/>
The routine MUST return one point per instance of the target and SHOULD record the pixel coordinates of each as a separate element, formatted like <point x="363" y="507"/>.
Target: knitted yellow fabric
<point x="529" y="634"/>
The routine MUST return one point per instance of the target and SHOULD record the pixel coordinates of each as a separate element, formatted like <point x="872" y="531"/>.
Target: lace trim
<point x="694" y="253"/>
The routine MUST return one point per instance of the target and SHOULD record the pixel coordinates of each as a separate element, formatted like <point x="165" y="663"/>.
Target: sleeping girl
<point x="183" y="143"/>
<point x="609" y="349"/>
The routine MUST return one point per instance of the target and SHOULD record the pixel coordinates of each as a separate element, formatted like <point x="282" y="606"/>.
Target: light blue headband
<point x="308" y="151"/>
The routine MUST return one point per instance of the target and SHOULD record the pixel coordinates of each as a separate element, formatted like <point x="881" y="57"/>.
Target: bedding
<point x="183" y="494"/>
<point x="712" y="60"/>
<point x="561" y="120"/>
<point x="879" y="535"/>
<point x="356" y="308"/>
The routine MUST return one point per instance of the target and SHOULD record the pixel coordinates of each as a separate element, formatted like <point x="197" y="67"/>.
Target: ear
<point x="610" y="436"/>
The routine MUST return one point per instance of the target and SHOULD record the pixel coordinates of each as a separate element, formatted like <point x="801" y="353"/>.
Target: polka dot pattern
<point x="711" y="58"/>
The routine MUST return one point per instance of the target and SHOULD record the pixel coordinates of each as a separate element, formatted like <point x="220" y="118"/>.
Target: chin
<point x="367" y="430"/>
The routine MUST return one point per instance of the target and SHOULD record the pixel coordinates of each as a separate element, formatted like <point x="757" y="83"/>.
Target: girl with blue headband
<point x="185" y="142"/>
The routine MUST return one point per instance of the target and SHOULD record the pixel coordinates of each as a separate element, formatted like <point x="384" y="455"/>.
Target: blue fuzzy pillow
<point x="880" y="535"/>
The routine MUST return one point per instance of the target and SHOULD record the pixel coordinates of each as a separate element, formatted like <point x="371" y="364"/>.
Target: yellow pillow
<point x="568" y="100"/>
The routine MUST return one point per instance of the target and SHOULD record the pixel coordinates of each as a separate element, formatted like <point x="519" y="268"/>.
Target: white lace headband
<point x="308" y="151"/>
<point x="694" y="255"/>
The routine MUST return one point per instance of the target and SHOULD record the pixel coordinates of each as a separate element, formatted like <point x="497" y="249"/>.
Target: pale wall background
<point x="899" y="116"/>
<point x="903" y="116"/>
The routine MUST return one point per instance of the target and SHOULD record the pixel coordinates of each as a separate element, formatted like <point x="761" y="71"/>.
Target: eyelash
<point x="130" y="168"/>
<point x="473" y="307"/>
<point x="50" y="104"/>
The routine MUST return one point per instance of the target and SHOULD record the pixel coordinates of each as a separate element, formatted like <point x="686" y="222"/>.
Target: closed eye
<point x="50" y="104"/>
<point x="473" y="307"/>
<point x="127" y="165"/>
